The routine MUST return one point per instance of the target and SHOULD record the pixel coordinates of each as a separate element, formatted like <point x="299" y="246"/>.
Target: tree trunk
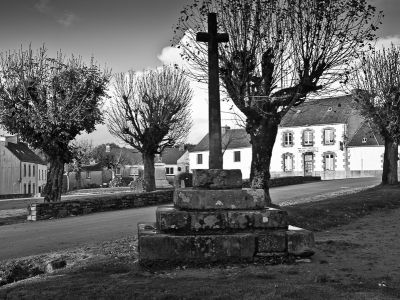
<point x="149" y="180"/>
<point x="390" y="158"/>
<point x="53" y="188"/>
<point x="262" y="138"/>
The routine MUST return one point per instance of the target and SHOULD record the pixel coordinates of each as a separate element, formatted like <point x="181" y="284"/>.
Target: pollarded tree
<point x="48" y="102"/>
<point x="150" y="112"/>
<point x="279" y="51"/>
<point x="376" y="84"/>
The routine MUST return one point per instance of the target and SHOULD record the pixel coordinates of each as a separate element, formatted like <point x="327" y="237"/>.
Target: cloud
<point x="42" y="6"/>
<point x="67" y="19"/>
<point x="170" y="55"/>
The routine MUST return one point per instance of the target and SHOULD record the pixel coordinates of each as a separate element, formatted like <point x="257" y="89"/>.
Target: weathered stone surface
<point x="171" y="219"/>
<point x="217" y="179"/>
<point x="266" y="218"/>
<point x="300" y="241"/>
<point x="219" y="199"/>
<point x="146" y="228"/>
<point x="196" y="249"/>
<point x="271" y="241"/>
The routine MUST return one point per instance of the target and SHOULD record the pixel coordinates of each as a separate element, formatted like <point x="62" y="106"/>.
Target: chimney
<point x="3" y="141"/>
<point x="12" y="139"/>
<point x="224" y="129"/>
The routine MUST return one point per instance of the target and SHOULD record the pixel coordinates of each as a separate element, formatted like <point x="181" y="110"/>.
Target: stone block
<point x="262" y="219"/>
<point x="168" y="218"/>
<point x="171" y="219"/>
<point x="220" y="199"/>
<point x="217" y="179"/>
<point x="300" y="241"/>
<point x="195" y="249"/>
<point x="271" y="241"/>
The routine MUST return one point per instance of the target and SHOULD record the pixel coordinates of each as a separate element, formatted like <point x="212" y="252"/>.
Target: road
<point x="31" y="238"/>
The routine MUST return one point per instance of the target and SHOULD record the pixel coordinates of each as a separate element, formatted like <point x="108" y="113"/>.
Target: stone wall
<point x="97" y="203"/>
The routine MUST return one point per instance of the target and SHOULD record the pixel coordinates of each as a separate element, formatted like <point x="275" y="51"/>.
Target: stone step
<point x="171" y="219"/>
<point x="217" y="179"/>
<point x="219" y="199"/>
<point x="159" y="249"/>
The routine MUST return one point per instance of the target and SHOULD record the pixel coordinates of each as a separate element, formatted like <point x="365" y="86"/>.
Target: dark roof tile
<point x="23" y="153"/>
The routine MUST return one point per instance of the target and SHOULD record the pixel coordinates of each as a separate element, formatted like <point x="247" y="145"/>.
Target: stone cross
<point x="214" y="110"/>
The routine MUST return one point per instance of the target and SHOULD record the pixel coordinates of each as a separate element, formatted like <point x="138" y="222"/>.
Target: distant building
<point x="21" y="170"/>
<point x="323" y="137"/>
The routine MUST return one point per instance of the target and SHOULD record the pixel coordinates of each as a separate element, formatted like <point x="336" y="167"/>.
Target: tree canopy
<point x="48" y="102"/>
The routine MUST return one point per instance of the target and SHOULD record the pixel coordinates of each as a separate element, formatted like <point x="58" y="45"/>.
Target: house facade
<point x="323" y="137"/>
<point x="21" y="170"/>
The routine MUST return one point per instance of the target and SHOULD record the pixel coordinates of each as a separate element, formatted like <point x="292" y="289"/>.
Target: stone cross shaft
<point x="212" y="37"/>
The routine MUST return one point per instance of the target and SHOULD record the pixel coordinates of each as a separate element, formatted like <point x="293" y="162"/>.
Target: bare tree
<point x="151" y="111"/>
<point x="48" y="102"/>
<point x="377" y="95"/>
<point x="278" y="53"/>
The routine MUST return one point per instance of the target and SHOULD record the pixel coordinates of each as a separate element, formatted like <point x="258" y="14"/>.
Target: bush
<point x="186" y="177"/>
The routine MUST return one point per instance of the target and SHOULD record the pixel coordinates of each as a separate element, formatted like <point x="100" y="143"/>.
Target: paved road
<point x="25" y="239"/>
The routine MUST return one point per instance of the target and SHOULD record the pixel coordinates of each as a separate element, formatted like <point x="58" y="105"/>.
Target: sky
<point x="123" y="35"/>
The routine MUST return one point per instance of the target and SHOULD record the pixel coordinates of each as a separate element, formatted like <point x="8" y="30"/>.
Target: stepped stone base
<point x="217" y="221"/>
<point x="160" y="248"/>
<point x="171" y="219"/>
<point x="219" y="199"/>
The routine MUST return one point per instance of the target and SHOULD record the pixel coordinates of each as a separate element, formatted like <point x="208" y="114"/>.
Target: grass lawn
<point x="357" y="257"/>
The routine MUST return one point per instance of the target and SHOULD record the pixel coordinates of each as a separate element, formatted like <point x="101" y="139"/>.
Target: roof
<point x="93" y="167"/>
<point x="320" y="111"/>
<point x="232" y="139"/>
<point x="336" y="110"/>
<point x="23" y="153"/>
<point x="365" y="133"/>
<point x="170" y="156"/>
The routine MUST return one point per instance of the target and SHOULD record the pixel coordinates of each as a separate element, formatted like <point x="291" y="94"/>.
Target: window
<point x="40" y="189"/>
<point x="134" y="171"/>
<point x="364" y="140"/>
<point x="329" y="162"/>
<point x="88" y="174"/>
<point x="118" y="171"/>
<point x="29" y="171"/>
<point x="328" y="137"/>
<point x="199" y="159"/>
<point x="287" y="162"/>
<point x="236" y="156"/>
<point x="24" y="172"/>
<point x="33" y="188"/>
<point x="287" y="139"/>
<point x="308" y="138"/>
<point x="24" y="188"/>
<point x="179" y="169"/>
<point x="33" y="171"/>
<point x="169" y="171"/>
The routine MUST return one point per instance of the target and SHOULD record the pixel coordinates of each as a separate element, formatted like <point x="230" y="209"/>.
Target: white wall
<point x="366" y="158"/>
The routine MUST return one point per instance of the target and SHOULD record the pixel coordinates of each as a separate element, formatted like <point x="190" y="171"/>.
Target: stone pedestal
<point x="217" y="221"/>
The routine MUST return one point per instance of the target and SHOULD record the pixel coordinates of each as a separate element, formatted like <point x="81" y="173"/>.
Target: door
<point x="308" y="164"/>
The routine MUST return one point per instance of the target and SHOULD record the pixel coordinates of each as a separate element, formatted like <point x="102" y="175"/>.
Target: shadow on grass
<point x="341" y="210"/>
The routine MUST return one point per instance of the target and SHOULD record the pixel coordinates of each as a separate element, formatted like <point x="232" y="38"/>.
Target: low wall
<point x="12" y="196"/>
<point x="98" y="203"/>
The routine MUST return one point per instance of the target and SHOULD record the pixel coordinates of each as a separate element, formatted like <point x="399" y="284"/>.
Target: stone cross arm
<point x="205" y="37"/>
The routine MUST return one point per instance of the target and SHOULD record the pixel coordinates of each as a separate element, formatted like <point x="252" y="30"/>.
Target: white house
<point x="322" y="137"/>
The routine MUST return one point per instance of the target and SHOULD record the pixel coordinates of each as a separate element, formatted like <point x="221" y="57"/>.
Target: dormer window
<point x="364" y="140"/>
<point x="329" y="108"/>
